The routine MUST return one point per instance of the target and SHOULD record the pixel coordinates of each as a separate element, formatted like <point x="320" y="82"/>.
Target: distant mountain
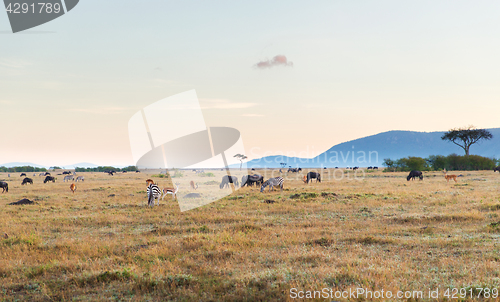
<point x="80" y="165"/>
<point x="20" y="164"/>
<point x="372" y="150"/>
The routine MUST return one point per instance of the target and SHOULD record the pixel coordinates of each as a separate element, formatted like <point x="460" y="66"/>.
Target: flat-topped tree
<point x="466" y="137"/>
<point x="241" y="157"/>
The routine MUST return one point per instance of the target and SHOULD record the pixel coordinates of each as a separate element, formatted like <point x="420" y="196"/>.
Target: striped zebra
<point x="80" y="178"/>
<point x="69" y="177"/>
<point x="154" y="192"/>
<point x="273" y="182"/>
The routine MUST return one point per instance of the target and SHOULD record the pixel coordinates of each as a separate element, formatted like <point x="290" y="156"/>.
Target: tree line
<point x="22" y="169"/>
<point x="106" y="168"/>
<point x="440" y="162"/>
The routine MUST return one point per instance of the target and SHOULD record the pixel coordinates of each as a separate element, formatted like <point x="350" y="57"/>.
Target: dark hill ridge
<point x="371" y="150"/>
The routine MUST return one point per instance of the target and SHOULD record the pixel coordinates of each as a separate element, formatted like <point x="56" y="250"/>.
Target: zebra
<point x="80" y="178"/>
<point x="154" y="192"/>
<point x="272" y="182"/>
<point x="68" y="177"/>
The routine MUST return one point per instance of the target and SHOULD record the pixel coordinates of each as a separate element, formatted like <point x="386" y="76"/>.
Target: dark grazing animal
<point x="273" y="182"/>
<point x="496" y="169"/>
<point x="46" y="173"/>
<point x="311" y="176"/>
<point x="250" y="180"/>
<point x="294" y="170"/>
<point x="22" y="174"/>
<point x="4" y="186"/>
<point x="27" y="180"/>
<point x="49" y="178"/>
<point x="375" y="168"/>
<point x="226" y="180"/>
<point x="414" y="174"/>
<point x="66" y="172"/>
<point x="154" y="192"/>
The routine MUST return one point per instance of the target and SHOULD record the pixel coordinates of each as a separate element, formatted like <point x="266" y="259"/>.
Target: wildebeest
<point x="49" y="178"/>
<point x="80" y="178"/>
<point x="66" y="172"/>
<point x="249" y="180"/>
<point x="4" y="186"/>
<point x="496" y="169"/>
<point x="46" y="173"/>
<point x="27" y="180"/>
<point x="311" y="176"/>
<point x="294" y="170"/>
<point x="355" y="168"/>
<point x="68" y="177"/>
<point x="272" y="182"/>
<point x="22" y="174"/>
<point x="375" y="168"/>
<point x="226" y="180"/>
<point x="414" y="174"/>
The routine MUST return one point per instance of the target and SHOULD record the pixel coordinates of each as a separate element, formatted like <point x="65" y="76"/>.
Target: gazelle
<point x="72" y="188"/>
<point x="171" y="191"/>
<point x="448" y="177"/>
<point x="149" y="181"/>
<point x="191" y="183"/>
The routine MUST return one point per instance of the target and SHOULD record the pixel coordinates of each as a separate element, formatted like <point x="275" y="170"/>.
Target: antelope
<point x="448" y="177"/>
<point x="191" y="183"/>
<point x="72" y="188"/>
<point x="171" y="191"/>
<point x="305" y="179"/>
<point x="149" y="181"/>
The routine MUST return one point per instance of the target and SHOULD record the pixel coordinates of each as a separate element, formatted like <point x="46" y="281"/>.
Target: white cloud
<point x="13" y="63"/>
<point x="102" y="110"/>
<point x="279" y="60"/>
<point x="252" y="115"/>
<point x="223" y="104"/>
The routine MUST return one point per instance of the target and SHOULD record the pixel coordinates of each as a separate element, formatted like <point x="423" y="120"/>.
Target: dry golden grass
<point x="380" y="232"/>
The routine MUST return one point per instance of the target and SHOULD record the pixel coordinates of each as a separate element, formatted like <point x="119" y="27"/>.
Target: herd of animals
<point x="154" y="192"/>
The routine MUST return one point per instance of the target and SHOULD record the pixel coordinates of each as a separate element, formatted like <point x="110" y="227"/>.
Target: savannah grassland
<point x="380" y="232"/>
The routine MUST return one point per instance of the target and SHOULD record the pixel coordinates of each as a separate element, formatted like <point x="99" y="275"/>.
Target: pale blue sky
<point x="359" y="68"/>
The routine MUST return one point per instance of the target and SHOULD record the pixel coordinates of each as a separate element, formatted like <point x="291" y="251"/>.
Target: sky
<point x="291" y="76"/>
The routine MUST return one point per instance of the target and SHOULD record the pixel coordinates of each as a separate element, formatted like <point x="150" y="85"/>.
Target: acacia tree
<point x="241" y="157"/>
<point x="466" y="137"/>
